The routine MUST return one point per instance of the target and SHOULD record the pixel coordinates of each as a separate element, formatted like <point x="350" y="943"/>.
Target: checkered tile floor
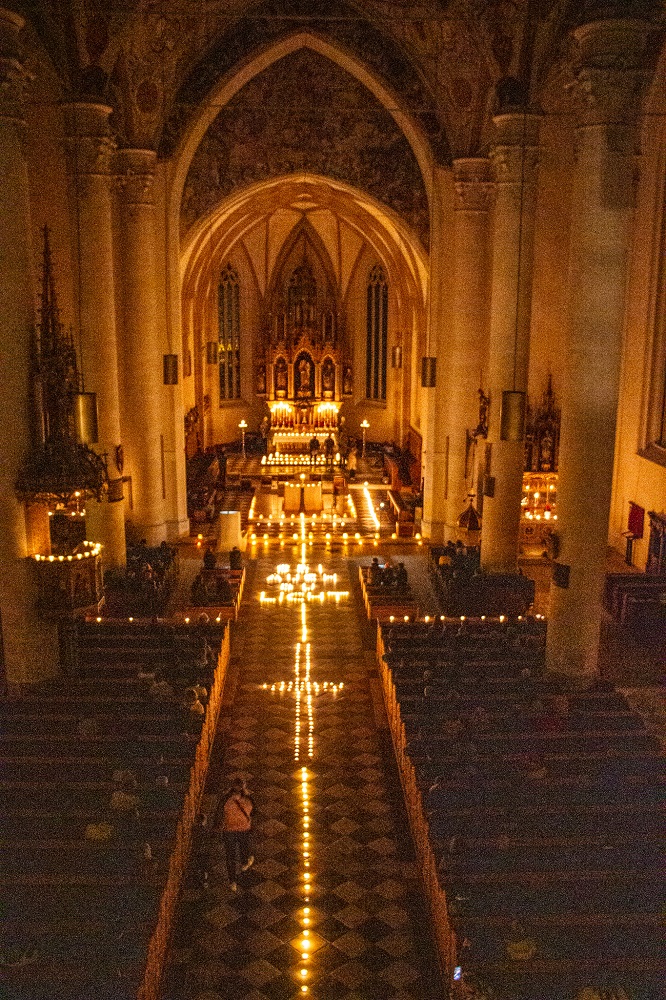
<point x="363" y="915"/>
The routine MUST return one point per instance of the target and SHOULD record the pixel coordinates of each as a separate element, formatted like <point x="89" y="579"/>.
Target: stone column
<point x="29" y="648"/>
<point x="515" y="156"/>
<point x="177" y="521"/>
<point x="435" y="454"/>
<point x="466" y="355"/>
<point x="609" y="66"/>
<point x="141" y="353"/>
<point x="89" y="148"/>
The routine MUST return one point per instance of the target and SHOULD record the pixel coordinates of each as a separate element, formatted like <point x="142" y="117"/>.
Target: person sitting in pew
<point x="401" y="580"/>
<point x="375" y="573"/>
<point x="225" y="594"/>
<point x="124" y="798"/>
<point x="160" y="689"/>
<point x="195" y="712"/>
<point x="388" y="577"/>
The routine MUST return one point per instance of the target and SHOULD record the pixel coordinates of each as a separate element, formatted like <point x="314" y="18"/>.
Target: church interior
<point x="334" y="342"/>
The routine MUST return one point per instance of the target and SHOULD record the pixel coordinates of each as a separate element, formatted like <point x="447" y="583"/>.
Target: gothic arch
<point x="225" y="227"/>
<point x="221" y="94"/>
<point x="302" y="232"/>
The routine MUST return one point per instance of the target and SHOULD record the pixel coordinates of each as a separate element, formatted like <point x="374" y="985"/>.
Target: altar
<point x="292" y="428"/>
<point x="300" y="497"/>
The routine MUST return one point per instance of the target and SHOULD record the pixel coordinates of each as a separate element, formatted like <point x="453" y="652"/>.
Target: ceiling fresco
<point x="155" y="61"/>
<point x="306" y="115"/>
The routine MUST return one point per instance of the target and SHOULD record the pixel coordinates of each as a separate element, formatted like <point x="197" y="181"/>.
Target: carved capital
<point x="473" y="184"/>
<point x="515" y="152"/>
<point x="610" y="63"/>
<point x="89" y="145"/>
<point x="13" y="73"/>
<point x="90" y="155"/>
<point x="135" y="175"/>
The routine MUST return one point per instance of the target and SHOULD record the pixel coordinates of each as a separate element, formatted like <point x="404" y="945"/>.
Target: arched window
<point x="377" y="335"/>
<point x="228" y="312"/>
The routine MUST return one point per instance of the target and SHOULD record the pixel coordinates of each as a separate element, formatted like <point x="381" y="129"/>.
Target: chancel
<point x="373" y="293"/>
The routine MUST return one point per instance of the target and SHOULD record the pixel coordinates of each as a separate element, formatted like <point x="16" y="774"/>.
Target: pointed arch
<point x="222" y="93"/>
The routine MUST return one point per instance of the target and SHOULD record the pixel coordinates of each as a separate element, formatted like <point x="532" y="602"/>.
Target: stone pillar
<point x="609" y="67"/>
<point x="435" y="445"/>
<point x="89" y="148"/>
<point x="141" y="353"/>
<point x="466" y="355"/>
<point x="177" y="521"/>
<point x="29" y="648"/>
<point x="515" y="155"/>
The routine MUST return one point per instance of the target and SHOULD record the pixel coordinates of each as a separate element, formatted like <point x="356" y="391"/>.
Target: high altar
<point x="305" y="371"/>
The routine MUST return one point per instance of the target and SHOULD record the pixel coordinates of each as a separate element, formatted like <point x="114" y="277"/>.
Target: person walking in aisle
<point x="234" y="820"/>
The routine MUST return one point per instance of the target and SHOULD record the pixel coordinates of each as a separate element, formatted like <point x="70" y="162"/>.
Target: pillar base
<point x="177" y="529"/>
<point x="434" y="531"/>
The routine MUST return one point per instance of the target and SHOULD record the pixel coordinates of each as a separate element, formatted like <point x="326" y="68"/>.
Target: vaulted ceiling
<point x="261" y="221"/>
<point x="155" y="62"/>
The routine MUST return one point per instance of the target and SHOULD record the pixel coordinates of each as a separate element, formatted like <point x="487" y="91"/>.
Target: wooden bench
<point x="626" y="593"/>
<point x="557" y="829"/>
<point x="95" y="895"/>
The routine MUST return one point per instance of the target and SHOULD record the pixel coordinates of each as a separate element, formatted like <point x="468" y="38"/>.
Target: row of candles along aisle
<point x="304" y="689"/>
<point x="324" y="517"/>
<point x="303" y="584"/>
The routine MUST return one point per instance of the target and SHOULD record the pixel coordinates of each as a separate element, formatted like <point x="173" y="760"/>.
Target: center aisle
<point x="332" y="906"/>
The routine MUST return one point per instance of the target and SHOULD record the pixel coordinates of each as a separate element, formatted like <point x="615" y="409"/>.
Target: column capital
<point x="473" y="182"/>
<point x="610" y="62"/>
<point x="89" y="144"/>
<point x="135" y="174"/>
<point x="515" y="151"/>
<point x="13" y="73"/>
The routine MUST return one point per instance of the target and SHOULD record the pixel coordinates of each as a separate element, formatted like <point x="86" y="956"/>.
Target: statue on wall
<point x="304" y="376"/>
<point x="261" y="380"/>
<point x="281" y="379"/>
<point x="542" y="436"/>
<point x="328" y="376"/>
<point x="481" y="429"/>
<point x="347" y="381"/>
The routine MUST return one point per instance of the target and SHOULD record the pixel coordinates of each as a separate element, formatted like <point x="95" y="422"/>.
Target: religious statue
<point x="304" y="377"/>
<point x="281" y="376"/>
<point x="261" y="380"/>
<point x="484" y="405"/>
<point x="328" y="376"/>
<point x="347" y="380"/>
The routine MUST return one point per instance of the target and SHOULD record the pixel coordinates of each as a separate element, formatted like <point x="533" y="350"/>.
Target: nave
<point x="330" y="817"/>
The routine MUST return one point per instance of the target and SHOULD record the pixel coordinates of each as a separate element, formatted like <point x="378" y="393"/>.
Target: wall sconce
<point x="171" y="369"/>
<point x="428" y="372"/>
<point x="85" y="417"/>
<point x="512" y="415"/>
<point x="212" y="352"/>
<point x="396" y="357"/>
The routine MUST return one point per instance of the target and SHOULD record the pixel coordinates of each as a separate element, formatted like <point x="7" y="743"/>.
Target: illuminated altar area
<point x="305" y="369"/>
<point x="293" y="425"/>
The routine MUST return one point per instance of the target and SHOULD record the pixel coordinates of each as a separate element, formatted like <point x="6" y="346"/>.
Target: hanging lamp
<point x="170" y="369"/>
<point x="428" y="372"/>
<point x="60" y="465"/>
<point x="514" y="401"/>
